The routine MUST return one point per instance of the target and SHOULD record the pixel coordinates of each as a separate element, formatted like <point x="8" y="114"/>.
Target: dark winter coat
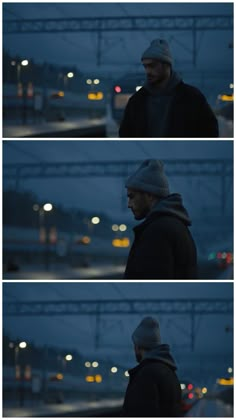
<point x="163" y="246"/>
<point x="190" y="115"/>
<point x="153" y="389"/>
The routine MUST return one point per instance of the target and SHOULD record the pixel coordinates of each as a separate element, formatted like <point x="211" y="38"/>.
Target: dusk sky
<point x="106" y="194"/>
<point x="120" y="50"/>
<point x="77" y="332"/>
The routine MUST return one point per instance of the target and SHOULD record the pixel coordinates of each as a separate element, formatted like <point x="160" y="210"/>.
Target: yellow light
<point x="123" y="228"/>
<point x="68" y="357"/>
<point x="114" y="369"/>
<point x="226" y="98"/>
<point x="24" y="63"/>
<point x="22" y="345"/>
<point x="87" y="364"/>
<point x="95" y="364"/>
<point x="89" y="378"/>
<point x="98" y="378"/>
<point x="70" y="74"/>
<point x="48" y="207"/>
<point x="120" y="243"/>
<point x="225" y="381"/>
<point x="59" y="376"/>
<point x="204" y="390"/>
<point x="95" y="220"/>
<point x="115" y="228"/>
<point x="61" y="93"/>
<point x="95" y="96"/>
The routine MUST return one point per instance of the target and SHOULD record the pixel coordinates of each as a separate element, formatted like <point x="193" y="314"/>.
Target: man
<point x="166" y="106"/>
<point x="153" y="389"/>
<point x="163" y="247"/>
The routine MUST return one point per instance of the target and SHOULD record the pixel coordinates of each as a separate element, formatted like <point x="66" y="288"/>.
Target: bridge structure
<point x="221" y="169"/>
<point x="100" y="25"/>
<point x="191" y="308"/>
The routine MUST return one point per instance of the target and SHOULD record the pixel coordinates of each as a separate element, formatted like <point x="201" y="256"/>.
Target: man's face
<point x="139" y="202"/>
<point x="156" y="71"/>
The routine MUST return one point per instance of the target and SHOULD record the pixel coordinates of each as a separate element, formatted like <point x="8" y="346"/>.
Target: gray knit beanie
<point x="160" y="50"/>
<point x="147" y="333"/>
<point x="150" y="177"/>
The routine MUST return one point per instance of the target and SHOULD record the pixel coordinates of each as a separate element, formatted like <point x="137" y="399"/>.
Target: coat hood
<point x="174" y="80"/>
<point x="161" y="353"/>
<point x="171" y="205"/>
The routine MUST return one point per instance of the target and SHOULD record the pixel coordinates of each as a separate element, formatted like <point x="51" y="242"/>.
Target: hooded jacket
<point x="153" y="389"/>
<point x="163" y="246"/>
<point x="178" y="110"/>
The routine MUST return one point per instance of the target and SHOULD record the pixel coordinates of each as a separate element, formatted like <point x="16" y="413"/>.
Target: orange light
<point x="98" y="378"/>
<point x="86" y="240"/>
<point x="89" y="378"/>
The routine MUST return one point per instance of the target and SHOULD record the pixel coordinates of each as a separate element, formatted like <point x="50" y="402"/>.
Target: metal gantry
<point x="99" y="25"/>
<point x="180" y="167"/>
<point x="221" y="168"/>
<point x="120" y="23"/>
<point x="97" y="308"/>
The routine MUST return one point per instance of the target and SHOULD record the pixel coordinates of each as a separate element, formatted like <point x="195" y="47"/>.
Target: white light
<point x="96" y="81"/>
<point x="138" y="88"/>
<point x="126" y="373"/>
<point x="115" y="228"/>
<point x="87" y="364"/>
<point x="183" y="386"/>
<point x="24" y="63"/>
<point x="89" y="81"/>
<point x="13" y="63"/>
<point x="68" y="357"/>
<point x="22" y="345"/>
<point x="230" y="370"/>
<point x="231" y="85"/>
<point x="95" y="220"/>
<point x="123" y="228"/>
<point x="70" y="74"/>
<point x="11" y="345"/>
<point x="48" y="207"/>
<point x="114" y="369"/>
<point x="95" y="364"/>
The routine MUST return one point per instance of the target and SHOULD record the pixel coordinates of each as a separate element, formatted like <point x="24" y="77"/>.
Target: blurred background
<point x="65" y="209"/>
<point x="67" y="346"/>
<point x="69" y="68"/>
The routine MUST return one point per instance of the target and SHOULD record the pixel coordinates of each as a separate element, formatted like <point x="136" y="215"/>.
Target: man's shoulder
<point x="139" y="95"/>
<point x="152" y="366"/>
<point x="190" y="90"/>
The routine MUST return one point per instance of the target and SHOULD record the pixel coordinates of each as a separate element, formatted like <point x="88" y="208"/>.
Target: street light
<point x="68" y="357"/>
<point x="43" y="233"/>
<point x="95" y="220"/>
<point x="18" y="375"/>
